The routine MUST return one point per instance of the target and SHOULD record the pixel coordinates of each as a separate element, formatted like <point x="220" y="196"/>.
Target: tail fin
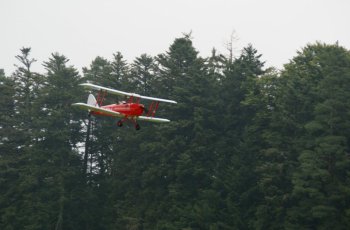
<point x="92" y="101"/>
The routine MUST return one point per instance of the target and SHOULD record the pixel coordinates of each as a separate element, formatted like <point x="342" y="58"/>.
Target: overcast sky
<point x="84" y="29"/>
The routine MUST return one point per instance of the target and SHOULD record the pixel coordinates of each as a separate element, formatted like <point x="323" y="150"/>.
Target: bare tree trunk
<point x="61" y="201"/>
<point x="87" y="147"/>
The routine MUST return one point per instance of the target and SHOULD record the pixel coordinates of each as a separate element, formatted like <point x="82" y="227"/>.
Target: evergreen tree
<point x="320" y="182"/>
<point x="143" y="74"/>
<point x="236" y="159"/>
<point x="247" y="148"/>
<point x="188" y="164"/>
<point x="9" y="167"/>
<point x="293" y="102"/>
<point x="23" y="205"/>
<point x="120" y="73"/>
<point x="6" y="112"/>
<point x="59" y="144"/>
<point x="100" y="71"/>
<point x="99" y="151"/>
<point x="27" y="85"/>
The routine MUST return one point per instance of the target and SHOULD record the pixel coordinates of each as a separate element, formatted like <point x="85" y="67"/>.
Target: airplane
<point x="130" y="110"/>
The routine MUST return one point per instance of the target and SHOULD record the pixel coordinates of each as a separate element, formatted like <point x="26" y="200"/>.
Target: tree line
<point x="249" y="147"/>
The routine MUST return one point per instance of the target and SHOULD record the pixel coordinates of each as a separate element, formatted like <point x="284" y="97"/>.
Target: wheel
<point x="120" y="123"/>
<point x="137" y="127"/>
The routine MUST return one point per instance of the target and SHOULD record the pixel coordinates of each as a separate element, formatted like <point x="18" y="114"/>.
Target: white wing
<point x="98" y="109"/>
<point x="118" y="92"/>
<point x="152" y="119"/>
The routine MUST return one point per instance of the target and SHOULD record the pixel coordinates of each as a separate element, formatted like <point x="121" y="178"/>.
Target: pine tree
<point x="236" y="160"/>
<point x="188" y="165"/>
<point x="293" y="101"/>
<point x="25" y="208"/>
<point x="143" y="74"/>
<point x="9" y="167"/>
<point x="27" y="85"/>
<point x="61" y="128"/>
<point x="320" y="182"/>
<point x="6" y="112"/>
<point x="120" y="73"/>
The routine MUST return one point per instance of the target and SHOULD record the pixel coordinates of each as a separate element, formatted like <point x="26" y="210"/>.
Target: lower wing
<point x="152" y="119"/>
<point x="98" y="109"/>
<point x="116" y="114"/>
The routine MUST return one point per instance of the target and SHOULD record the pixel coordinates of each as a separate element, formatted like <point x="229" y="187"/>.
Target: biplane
<point x="129" y="110"/>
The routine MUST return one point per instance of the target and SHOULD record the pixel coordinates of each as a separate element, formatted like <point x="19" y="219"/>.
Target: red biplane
<point x="130" y="110"/>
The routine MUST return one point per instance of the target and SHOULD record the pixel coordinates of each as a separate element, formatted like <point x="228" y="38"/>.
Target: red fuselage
<point x="127" y="109"/>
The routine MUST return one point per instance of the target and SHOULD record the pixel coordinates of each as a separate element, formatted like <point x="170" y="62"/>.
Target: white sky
<point x="84" y="29"/>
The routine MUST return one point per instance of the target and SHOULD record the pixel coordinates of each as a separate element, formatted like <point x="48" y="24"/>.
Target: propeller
<point x="145" y="110"/>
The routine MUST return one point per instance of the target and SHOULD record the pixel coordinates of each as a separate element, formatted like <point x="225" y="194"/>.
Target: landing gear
<point x="137" y="127"/>
<point x="120" y="123"/>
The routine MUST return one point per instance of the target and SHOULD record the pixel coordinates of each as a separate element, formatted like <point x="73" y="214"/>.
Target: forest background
<point x="248" y="147"/>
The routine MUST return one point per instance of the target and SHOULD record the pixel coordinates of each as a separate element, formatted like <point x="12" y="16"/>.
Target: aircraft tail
<point x="92" y="101"/>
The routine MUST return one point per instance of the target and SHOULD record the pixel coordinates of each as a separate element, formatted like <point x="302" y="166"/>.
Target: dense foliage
<point x="248" y="147"/>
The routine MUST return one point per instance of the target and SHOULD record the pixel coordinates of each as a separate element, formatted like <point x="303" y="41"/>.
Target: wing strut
<point x="101" y="97"/>
<point x="152" y="109"/>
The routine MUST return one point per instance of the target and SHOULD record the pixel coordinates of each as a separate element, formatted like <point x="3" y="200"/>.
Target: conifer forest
<point x="248" y="146"/>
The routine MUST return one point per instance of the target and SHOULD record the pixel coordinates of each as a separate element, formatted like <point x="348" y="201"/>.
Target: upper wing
<point x="152" y="119"/>
<point x="118" y="92"/>
<point x="98" y="109"/>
